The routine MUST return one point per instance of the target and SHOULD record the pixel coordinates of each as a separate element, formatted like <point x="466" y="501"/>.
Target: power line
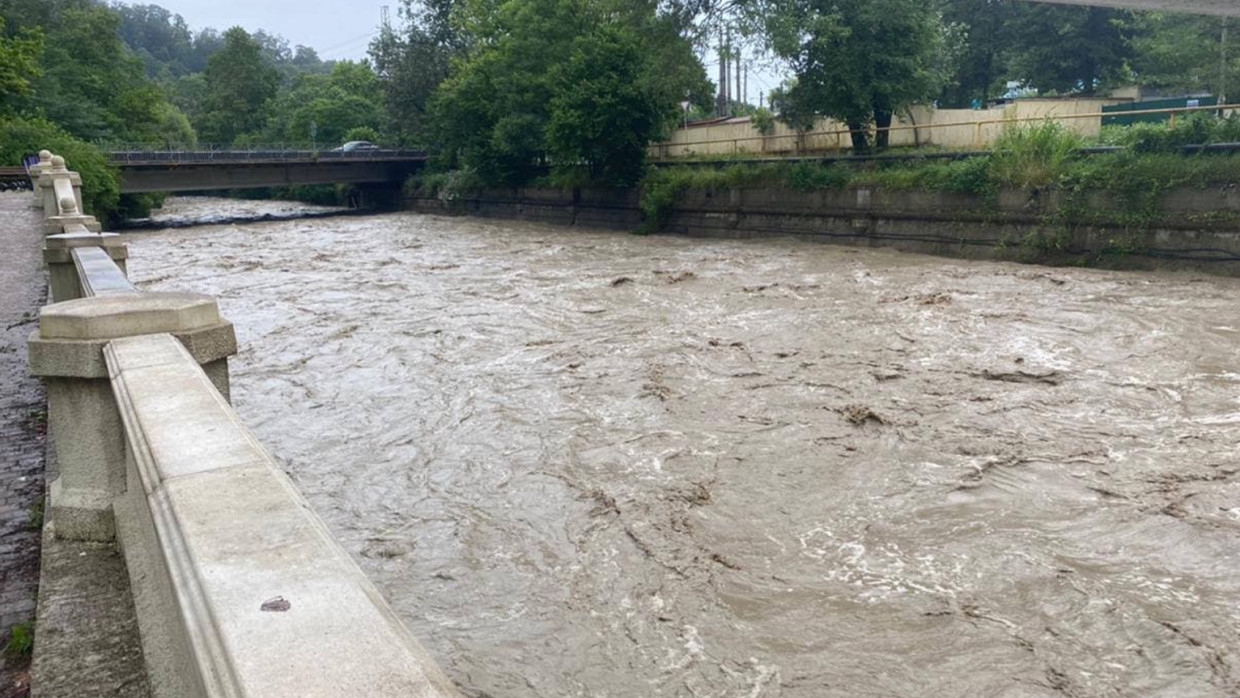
<point x="350" y="43"/>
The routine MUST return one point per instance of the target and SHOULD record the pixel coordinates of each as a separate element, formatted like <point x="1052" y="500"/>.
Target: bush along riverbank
<point x="1035" y="198"/>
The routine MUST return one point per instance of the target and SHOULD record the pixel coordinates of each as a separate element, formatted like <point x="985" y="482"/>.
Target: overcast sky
<point x="333" y="28"/>
<point x="339" y="29"/>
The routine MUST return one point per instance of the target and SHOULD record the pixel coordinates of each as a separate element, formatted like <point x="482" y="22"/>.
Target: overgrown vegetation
<point x="1034" y="156"/>
<point x="1044" y="157"/>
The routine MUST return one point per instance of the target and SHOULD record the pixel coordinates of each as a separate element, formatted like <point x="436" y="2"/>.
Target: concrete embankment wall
<point x="239" y="588"/>
<point x="1198" y="229"/>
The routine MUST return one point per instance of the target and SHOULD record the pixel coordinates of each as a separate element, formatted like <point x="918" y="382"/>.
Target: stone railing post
<point x="64" y="279"/>
<point x="67" y="352"/>
<point x="56" y="184"/>
<point x="36" y="172"/>
<point x="69" y="217"/>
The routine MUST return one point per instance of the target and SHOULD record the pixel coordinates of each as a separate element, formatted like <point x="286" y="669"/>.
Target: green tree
<point x="160" y="38"/>
<point x="91" y="84"/>
<point x="983" y="34"/>
<point x="539" y="85"/>
<point x="347" y="98"/>
<point x="22" y="137"/>
<point x="858" y="61"/>
<point x="412" y="61"/>
<point x="1071" y="49"/>
<point x="603" y="112"/>
<point x="240" y="87"/>
<point x="19" y="66"/>
<point x="1182" y="53"/>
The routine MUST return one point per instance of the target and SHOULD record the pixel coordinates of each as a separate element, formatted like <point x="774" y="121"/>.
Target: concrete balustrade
<point x="58" y="184"/>
<point x="36" y="173"/>
<point x="239" y="588"/>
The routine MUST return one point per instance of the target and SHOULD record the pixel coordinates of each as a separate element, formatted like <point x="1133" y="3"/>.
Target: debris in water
<point x="676" y="277"/>
<point x="1048" y="378"/>
<point x="860" y="415"/>
<point x="621" y="281"/>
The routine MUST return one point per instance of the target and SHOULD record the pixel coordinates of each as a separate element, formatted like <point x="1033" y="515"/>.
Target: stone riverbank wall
<point x="239" y="588"/>
<point x="1195" y="228"/>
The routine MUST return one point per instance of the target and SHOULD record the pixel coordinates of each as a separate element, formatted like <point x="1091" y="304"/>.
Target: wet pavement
<point x="597" y="464"/>
<point x="23" y="429"/>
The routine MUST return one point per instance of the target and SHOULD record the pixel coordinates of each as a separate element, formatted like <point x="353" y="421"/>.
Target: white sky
<point x="340" y="30"/>
<point x="333" y="28"/>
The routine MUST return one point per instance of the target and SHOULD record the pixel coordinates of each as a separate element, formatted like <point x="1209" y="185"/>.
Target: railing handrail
<point x="174" y="156"/>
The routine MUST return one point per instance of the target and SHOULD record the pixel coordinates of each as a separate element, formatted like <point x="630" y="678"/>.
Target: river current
<point x="602" y="465"/>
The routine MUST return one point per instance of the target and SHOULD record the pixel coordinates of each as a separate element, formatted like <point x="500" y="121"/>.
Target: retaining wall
<point x="239" y="588"/>
<point x="1200" y="228"/>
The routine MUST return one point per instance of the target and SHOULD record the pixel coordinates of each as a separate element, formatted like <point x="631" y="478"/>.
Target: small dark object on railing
<point x="277" y="605"/>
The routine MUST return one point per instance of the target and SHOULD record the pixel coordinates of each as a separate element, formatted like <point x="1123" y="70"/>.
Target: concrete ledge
<point x="129" y="315"/>
<point x="240" y="588"/>
<point x="60" y="358"/>
<point x="99" y="274"/>
<point x="52" y="255"/>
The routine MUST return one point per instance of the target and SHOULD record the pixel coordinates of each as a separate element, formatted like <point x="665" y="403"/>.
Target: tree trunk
<point x="860" y="137"/>
<point x="882" y="119"/>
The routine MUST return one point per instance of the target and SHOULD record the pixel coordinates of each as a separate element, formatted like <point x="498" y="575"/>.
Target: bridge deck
<point x="174" y="171"/>
<point x="1201" y="7"/>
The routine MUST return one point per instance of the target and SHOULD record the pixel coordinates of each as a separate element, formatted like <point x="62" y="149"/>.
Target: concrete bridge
<point x="179" y="171"/>
<point x="1225" y="8"/>
<point x="237" y="586"/>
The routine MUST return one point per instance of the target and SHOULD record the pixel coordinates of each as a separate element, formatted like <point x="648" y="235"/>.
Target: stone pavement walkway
<point x="23" y="426"/>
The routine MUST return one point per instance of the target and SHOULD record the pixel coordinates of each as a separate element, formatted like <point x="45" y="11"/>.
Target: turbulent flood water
<point x="597" y="464"/>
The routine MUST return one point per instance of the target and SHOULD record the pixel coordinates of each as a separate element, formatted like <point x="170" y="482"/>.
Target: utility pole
<point x="745" y="85"/>
<point x="740" y="95"/>
<point x="721" y="101"/>
<point x="1222" y="78"/>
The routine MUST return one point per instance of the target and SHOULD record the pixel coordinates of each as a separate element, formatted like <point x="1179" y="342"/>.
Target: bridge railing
<point x="239" y="588"/>
<point x="138" y="156"/>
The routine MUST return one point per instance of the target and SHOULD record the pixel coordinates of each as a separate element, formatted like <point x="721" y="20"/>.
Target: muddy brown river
<point x="603" y="465"/>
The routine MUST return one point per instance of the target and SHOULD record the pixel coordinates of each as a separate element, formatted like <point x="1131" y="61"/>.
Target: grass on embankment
<point x="1042" y="157"/>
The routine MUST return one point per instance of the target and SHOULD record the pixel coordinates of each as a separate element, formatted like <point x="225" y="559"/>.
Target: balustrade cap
<point x="128" y="315"/>
<point x="81" y="237"/>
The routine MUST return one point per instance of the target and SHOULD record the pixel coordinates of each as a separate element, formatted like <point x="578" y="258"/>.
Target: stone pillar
<point x="70" y="217"/>
<point x="84" y="418"/>
<point x="37" y="171"/>
<point x="63" y="277"/>
<point x="56" y="184"/>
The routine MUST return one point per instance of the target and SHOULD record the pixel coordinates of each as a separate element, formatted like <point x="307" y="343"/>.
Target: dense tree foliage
<point x="413" y="60"/>
<point x="19" y="66"/>
<point x="1183" y="52"/>
<point x="240" y="88"/>
<point x="563" y="83"/>
<point x="324" y="108"/>
<point x="858" y="61"/>
<point x="1072" y="49"/>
